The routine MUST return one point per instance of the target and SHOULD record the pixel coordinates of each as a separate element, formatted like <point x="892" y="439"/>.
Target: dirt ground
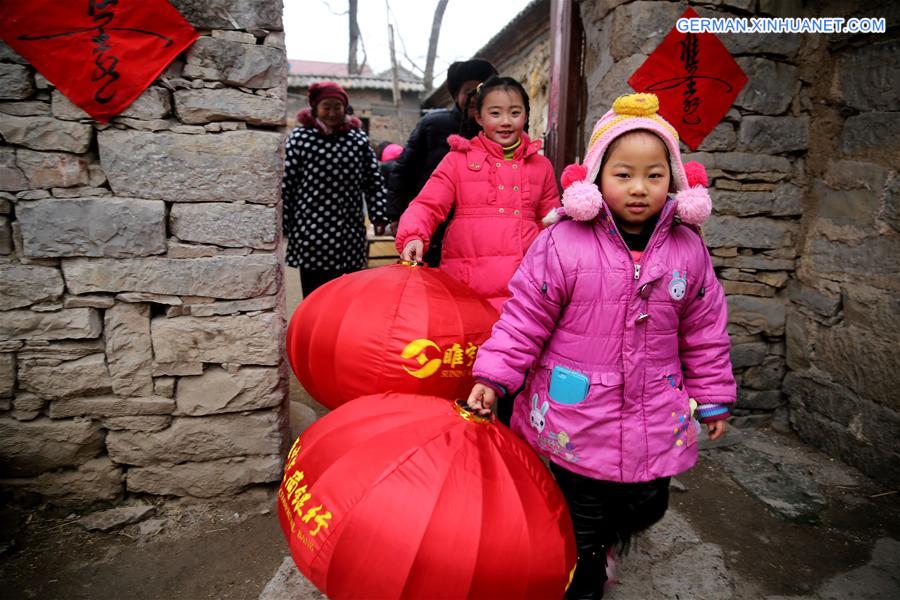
<point x="190" y="550"/>
<point x="232" y="548"/>
<point x="787" y="559"/>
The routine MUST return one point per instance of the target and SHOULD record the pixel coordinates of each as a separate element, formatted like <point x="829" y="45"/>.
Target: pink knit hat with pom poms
<point x="582" y="199"/>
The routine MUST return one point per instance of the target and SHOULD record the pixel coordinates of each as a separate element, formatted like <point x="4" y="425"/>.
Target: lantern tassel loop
<point x="467" y="415"/>
<point x="412" y="263"/>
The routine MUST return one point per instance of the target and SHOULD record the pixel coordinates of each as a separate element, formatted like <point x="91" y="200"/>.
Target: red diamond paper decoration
<point x="695" y="79"/>
<point x="102" y="54"/>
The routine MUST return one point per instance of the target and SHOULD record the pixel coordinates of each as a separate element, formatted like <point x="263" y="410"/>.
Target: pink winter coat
<point x="497" y="208"/>
<point x="648" y="337"/>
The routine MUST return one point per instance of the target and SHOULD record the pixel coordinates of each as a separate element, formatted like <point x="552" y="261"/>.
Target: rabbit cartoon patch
<point x="537" y="414"/>
<point x="678" y="286"/>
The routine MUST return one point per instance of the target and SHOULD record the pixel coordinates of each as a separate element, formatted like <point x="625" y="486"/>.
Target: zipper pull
<point x="637" y="271"/>
<point x="544" y="290"/>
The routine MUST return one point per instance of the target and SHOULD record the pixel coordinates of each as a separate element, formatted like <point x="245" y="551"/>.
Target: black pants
<point x="312" y="279"/>
<point x="605" y="514"/>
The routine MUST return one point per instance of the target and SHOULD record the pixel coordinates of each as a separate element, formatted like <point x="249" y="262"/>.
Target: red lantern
<point x="405" y="496"/>
<point x="397" y="328"/>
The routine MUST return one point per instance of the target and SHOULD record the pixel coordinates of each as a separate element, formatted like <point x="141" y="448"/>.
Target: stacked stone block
<point x="842" y="327"/>
<point x="754" y="159"/>
<point x="141" y="301"/>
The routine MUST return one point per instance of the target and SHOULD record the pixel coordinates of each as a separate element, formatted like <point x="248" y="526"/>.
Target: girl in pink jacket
<point x="497" y="186"/>
<point x="617" y="328"/>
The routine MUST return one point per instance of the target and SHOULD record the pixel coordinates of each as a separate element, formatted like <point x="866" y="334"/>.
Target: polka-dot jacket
<point x="330" y="179"/>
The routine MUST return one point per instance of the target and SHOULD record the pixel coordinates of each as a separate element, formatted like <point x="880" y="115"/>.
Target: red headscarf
<point x="327" y="89"/>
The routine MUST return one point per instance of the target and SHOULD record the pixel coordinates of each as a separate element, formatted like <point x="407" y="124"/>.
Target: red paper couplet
<point x="695" y="78"/>
<point x="102" y="54"/>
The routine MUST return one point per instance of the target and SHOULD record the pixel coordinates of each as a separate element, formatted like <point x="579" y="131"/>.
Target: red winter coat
<point x="497" y="209"/>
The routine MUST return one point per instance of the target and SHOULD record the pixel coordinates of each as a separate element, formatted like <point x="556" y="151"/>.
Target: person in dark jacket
<point x="329" y="172"/>
<point x="427" y="145"/>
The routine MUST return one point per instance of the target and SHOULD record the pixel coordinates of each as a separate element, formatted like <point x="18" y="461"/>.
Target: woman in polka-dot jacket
<point x="330" y="173"/>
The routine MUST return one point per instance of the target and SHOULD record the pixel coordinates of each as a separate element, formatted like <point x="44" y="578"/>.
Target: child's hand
<point x="716" y="429"/>
<point x="414" y="251"/>
<point x="481" y="399"/>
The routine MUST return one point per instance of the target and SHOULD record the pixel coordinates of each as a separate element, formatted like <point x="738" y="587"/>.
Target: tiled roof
<point x="328" y="69"/>
<point x="355" y="83"/>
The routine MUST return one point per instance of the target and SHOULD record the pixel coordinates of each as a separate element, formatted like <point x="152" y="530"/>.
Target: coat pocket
<point x="570" y="431"/>
<point x="670" y="421"/>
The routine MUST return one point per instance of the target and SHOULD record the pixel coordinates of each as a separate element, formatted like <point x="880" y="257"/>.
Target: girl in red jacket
<point x="499" y="189"/>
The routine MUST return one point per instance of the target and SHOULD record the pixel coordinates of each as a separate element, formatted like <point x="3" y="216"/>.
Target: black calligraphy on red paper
<point x="695" y="78"/>
<point x="102" y="54"/>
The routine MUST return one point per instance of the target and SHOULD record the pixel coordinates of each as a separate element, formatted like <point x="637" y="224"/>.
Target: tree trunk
<point x="394" y="72"/>
<point x="352" y="64"/>
<point x="432" y="44"/>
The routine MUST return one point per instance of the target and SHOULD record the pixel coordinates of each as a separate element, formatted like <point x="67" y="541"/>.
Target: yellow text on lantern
<point x="455" y="355"/>
<point x="416" y="348"/>
<point x="282" y="498"/>
<point x="294" y="497"/>
<point x="471" y="351"/>
<point x="291" y="482"/>
<point x="292" y="456"/>
<point x="321" y="519"/>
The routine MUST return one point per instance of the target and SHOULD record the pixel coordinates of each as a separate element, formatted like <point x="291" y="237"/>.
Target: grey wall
<point x="803" y="171"/>
<point x="141" y="304"/>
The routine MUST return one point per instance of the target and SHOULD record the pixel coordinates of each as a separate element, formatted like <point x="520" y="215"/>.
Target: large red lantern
<point x="405" y="496"/>
<point x="397" y="328"/>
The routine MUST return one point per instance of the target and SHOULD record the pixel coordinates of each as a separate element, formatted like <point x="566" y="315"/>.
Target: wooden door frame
<point x="565" y="104"/>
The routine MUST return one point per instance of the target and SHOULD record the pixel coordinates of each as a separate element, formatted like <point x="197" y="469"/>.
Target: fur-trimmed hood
<point x="481" y="142"/>
<point x="306" y="119"/>
<point x="497" y="206"/>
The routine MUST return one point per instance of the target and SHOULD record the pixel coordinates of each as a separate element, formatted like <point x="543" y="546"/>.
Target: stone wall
<point x="803" y="233"/>
<point x="140" y="279"/>
<point x="842" y="322"/>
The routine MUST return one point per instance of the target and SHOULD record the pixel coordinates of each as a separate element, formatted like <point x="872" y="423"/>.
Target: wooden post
<point x="564" y="110"/>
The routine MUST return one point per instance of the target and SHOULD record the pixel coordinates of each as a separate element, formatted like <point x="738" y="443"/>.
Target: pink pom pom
<point x="391" y="152"/>
<point x="582" y="201"/>
<point x="694" y="205"/>
<point x="695" y="174"/>
<point x="571" y="174"/>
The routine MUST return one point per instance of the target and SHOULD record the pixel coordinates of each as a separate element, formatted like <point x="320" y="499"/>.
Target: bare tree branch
<point x="395" y="76"/>
<point x="332" y="11"/>
<point x="433" y="43"/>
<point x="352" y="65"/>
